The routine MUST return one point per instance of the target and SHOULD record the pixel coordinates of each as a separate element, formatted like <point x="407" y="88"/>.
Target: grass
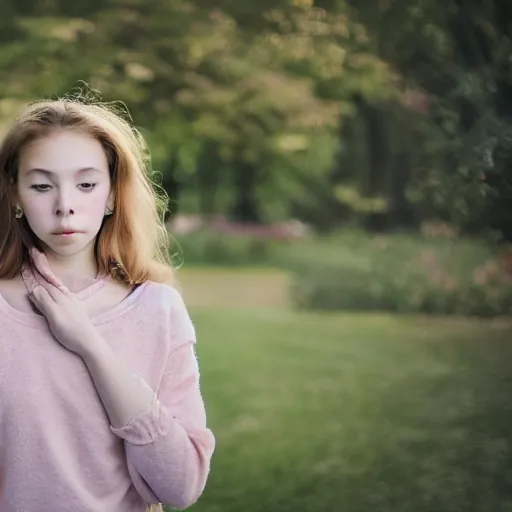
<point x="234" y="288"/>
<point x="352" y="412"/>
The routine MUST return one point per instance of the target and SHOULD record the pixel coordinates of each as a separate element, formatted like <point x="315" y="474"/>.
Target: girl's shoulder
<point x="162" y="296"/>
<point x="166" y="301"/>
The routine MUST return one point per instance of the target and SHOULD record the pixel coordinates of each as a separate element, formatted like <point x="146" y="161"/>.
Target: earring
<point x="108" y="211"/>
<point x="18" y="212"/>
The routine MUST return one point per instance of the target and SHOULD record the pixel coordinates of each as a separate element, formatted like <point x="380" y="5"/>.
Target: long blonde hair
<point x="133" y="243"/>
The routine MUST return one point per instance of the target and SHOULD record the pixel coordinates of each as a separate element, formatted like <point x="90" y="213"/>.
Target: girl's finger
<point x="41" y="298"/>
<point x="39" y="259"/>
<point x="43" y="268"/>
<point x="34" y="301"/>
<point x="53" y="292"/>
<point x="54" y="282"/>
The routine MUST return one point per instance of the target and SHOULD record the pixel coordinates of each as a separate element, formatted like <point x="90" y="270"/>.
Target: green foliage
<point x="351" y="197"/>
<point x="457" y="58"/>
<point x="209" y="248"/>
<point x="233" y="100"/>
<point x="404" y="275"/>
<point x="334" y="111"/>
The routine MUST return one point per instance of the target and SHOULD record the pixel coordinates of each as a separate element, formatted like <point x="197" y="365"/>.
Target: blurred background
<point x="340" y="180"/>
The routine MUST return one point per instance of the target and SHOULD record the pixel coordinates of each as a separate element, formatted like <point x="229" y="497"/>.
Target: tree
<point x="457" y="54"/>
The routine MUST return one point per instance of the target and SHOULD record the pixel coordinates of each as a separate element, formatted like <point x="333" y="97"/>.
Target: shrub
<point x="415" y="275"/>
<point x="209" y="248"/>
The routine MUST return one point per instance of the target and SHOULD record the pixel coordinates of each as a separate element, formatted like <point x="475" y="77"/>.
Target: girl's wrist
<point x="93" y="346"/>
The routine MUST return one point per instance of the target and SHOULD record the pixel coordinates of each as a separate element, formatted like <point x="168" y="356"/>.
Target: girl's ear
<point x="109" y="210"/>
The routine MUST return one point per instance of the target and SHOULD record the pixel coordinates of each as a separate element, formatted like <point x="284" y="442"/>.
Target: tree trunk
<point x="245" y="207"/>
<point x="171" y="185"/>
<point x="377" y="147"/>
<point x="208" y="176"/>
<point x="401" y="213"/>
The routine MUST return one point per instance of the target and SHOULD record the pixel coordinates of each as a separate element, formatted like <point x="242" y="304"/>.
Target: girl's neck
<point x="83" y="286"/>
<point x="73" y="270"/>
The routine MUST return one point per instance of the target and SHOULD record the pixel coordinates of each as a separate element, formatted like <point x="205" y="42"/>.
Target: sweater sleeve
<point x="169" y="447"/>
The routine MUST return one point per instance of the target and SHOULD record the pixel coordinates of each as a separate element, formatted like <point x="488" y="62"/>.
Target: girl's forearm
<point x="123" y="394"/>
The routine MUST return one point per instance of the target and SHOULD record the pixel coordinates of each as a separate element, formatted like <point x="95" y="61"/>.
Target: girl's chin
<point x="67" y="246"/>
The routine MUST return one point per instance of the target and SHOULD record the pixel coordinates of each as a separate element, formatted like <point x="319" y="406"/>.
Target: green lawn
<point x="350" y="412"/>
<point x="234" y="288"/>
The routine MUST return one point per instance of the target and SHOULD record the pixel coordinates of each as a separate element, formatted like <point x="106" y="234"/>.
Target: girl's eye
<point x="41" y="187"/>
<point x="87" y="186"/>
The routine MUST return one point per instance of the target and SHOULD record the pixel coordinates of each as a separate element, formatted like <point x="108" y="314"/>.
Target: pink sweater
<point x="58" y="451"/>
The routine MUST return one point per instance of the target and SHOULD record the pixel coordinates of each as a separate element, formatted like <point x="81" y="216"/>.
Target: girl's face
<point x="64" y="188"/>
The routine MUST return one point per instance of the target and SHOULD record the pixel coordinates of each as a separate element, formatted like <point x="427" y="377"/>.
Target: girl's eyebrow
<point x="50" y="173"/>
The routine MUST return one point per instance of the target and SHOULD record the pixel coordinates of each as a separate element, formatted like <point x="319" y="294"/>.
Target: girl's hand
<point x="66" y="316"/>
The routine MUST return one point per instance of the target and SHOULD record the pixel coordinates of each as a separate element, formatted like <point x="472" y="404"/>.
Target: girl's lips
<point x="66" y="233"/>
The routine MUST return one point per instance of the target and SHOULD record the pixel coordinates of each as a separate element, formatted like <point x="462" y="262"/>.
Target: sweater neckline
<point x="32" y="278"/>
<point x="38" y="321"/>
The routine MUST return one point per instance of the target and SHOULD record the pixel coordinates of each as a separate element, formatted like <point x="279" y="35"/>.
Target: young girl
<point x="100" y="407"/>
